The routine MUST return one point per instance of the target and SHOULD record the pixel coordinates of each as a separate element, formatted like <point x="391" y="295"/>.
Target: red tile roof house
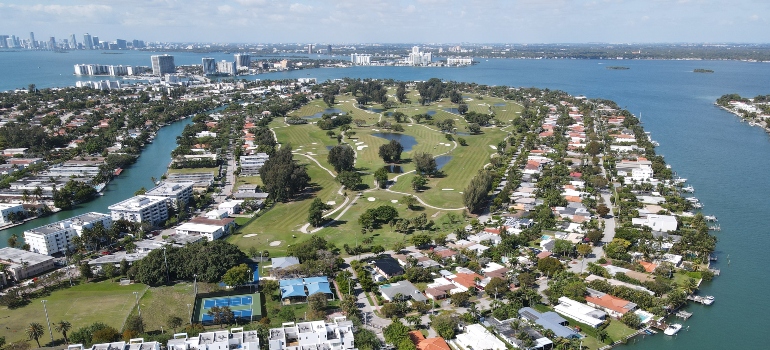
<point x="437" y="343"/>
<point x="614" y="306"/>
<point x="467" y="280"/>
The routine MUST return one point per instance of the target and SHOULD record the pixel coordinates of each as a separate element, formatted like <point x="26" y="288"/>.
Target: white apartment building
<point x="141" y="208"/>
<point x="417" y="58"/>
<point x="211" y="232"/>
<point x="236" y="338"/>
<point x="639" y="170"/>
<point x="316" y="334"/>
<point x="225" y="67"/>
<point x="6" y="209"/>
<point x="459" y="61"/>
<point x="133" y="344"/>
<point x="57" y="237"/>
<point x="250" y="165"/>
<point x="360" y="59"/>
<point x="173" y="192"/>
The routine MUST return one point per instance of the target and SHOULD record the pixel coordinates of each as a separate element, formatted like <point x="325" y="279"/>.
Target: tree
<point x="316" y="304"/>
<point x="366" y="339"/>
<point x="315" y="212"/>
<point x="496" y="286"/>
<point x="63" y="327"/>
<point x="549" y="265"/>
<point x="602" y="210"/>
<point x="174" y="322"/>
<point x="631" y="320"/>
<point x="475" y="194"/>
<point x="342" y="158"/>
<point x="459" y="299"/>
<point x="237" y="275"/>
<point x="391" y="151"/>
<point x="474" y="128"/>
<point x="282" y="177"/>
<point x="34" y="331"/>
<point x="106" y="334"/>
<point x="349" y="179"/>
<point x="419" y="182"/>
<point x="409" y="200"/>
<point x="425" y="163"/>
<point x="563" y="247"/>
<point x="381" y="177"/>
<point x="135" y="323"/>
<point x="13" y="241"/>
<point x="462" y="141"/>
<point x="584" y="249"/>
<point x="462" y="108"/>
<point x="109" y="270"/>
<point x="269" y="287"/>
<point x="445" y="325"/>
<point x="124" y="267"/>
<point x="86" y="272"/>
<point x="395" y="332"/>
<point x="421" y="240"/>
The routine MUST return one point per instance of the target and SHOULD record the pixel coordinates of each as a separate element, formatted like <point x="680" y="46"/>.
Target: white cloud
<point x="300" y="8"/>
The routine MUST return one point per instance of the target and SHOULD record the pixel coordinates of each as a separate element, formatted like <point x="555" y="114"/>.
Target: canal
<point x="152" y="162"/>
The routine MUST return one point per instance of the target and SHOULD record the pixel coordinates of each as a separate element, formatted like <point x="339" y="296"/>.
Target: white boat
<point x="688" y="189"/>
<point x="708" y="300"/>
<point x="672" y="329"/>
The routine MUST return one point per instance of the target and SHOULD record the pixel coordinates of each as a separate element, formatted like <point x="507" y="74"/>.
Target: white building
<point x="209" y="66"/>
<point x="417" y="58"/>
<point x="313" y="335"/>
<point x="133" y="344"/>
<point x="250" y="165"/>
<point x="162" y="65"/>
<point x="232" y="207"/>
<point x="227" y="68"/>
<point x="360" y="59"/>
<point x="6" y="209"/>
<point x="57" y="237"/>
<point x="663" y="223"/>
<point x="580" y="312"/>
<point x="459" y="61"/>
<point x="236" y="338"/>
<point x="140" y="209"/>
<point x="174" y="192"/>
<point x="640" y="170"/>
<point x="23" y="264"/>
<point x="476" y="337"/>
<point x="211" y="232"/>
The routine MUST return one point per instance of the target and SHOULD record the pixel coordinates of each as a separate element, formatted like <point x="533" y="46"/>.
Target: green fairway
<point x="81" y="305"/>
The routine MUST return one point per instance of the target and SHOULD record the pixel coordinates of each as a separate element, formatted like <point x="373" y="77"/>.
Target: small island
<point x="701" y="70"/>
<point x="618" y="67"/>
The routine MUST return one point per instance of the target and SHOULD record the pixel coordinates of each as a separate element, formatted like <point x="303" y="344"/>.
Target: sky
<point x="393" y="21"/>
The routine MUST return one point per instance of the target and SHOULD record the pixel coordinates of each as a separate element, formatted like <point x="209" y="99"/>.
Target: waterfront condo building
<point x="162" y="64"/>
<point x="417" y="58"/>
<point x="175" y="192"/>
<point x="226" y="68"/>
<point x="150" y="209"/>
<point x="360" y="59"/>
<point x="6" y="209"/>
<point x="57" y="237"/>
<point x="209" y="66"/>
<point x="242" y="61"/>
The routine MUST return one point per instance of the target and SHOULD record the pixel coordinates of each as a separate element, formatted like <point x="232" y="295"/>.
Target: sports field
<point x="243" y="306"/>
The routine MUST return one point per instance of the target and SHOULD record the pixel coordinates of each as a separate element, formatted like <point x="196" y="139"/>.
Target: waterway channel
<point x="152" y="162"/>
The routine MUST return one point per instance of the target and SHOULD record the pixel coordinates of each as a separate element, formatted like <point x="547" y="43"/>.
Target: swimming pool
<point x="545" y="237"/>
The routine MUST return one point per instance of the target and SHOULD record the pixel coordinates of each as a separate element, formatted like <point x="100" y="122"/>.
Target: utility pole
<point x="47" y="320"/>
<point x="165" y="262"/>
<point x="139" y="309"/>
<point x="189" y="312"/>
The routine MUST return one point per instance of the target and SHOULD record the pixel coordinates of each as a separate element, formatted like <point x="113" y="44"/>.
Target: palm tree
<point x="24" y="196"/>
<point x="38" y="193"/>
<point x="35" y="331"/>
<point x="63" y="327"/>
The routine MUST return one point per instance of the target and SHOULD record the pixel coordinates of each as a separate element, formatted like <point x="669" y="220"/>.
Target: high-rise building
<point x="88" y="42"/>
<point x="209" y="66"/>
<point x="310" y="49"/>
<point x="417" y="58"/>
<point x="52" y="43"/>
<point x="162" y="64"/>
<point x="361" y="59"/>
<point x="121" y="44"/>
<point x="329" y="50"/>
<point x="3" y="43"/>
<point x="32" y="43"/>
<point x="73" y="42"/>
<point x="225" y="67"/>
<point x="96" y="42"/>
<point x="242" y="61"/>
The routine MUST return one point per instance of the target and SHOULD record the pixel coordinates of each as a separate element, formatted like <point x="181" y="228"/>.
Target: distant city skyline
<point x="404" y="21"/>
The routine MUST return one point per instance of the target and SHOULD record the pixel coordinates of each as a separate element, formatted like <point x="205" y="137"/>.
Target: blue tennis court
<point x="232" y="301"/>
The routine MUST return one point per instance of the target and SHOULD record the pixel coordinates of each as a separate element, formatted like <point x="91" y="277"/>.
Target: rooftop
<point x="136" y="203"/>
<point x="73" y="221"/>
<point x="18" y="255"/>
<point x="169" y="188"/>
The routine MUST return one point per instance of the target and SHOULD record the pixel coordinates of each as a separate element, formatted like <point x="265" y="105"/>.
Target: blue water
<point x="408" y="141"/>
<point x="441" y="161"/>
<point x="725" y="160"/>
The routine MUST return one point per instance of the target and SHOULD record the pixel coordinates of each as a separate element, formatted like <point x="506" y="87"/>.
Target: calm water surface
<point x="725" y="160"/>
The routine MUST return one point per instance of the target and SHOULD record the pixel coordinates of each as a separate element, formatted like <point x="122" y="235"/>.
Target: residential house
<point x="580" y="312"/>
<point x="614" y="306"/>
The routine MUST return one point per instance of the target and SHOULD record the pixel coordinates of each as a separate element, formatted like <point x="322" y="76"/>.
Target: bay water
<point x="725" y="160"/>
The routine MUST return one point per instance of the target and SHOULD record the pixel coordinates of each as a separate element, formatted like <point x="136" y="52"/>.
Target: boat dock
<point x="707" y="300"/>
<point x="683" y="314"/>
<point x="715" y="228"/>
<point x="715" y="272"/>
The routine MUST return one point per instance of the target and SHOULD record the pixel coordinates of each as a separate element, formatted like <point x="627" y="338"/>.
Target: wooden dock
<point x="683" y="314"/>
<point x="715" y="272"/>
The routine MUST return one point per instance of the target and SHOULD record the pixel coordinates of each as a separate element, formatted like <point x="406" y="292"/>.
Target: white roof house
<point x="141" y="209"/>
<point x="211" y="232"/>
<point x="580" y="312"/>
<point x="476" y="337"/>
<point x="663" y="223"/>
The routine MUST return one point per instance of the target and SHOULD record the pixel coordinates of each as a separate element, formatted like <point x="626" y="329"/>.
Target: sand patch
<point x="275" y="243"/>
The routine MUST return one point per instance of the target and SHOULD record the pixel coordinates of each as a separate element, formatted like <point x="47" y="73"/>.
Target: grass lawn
<point x="194" y="170"/>
<point x="247" y="180"/>
<point x="617" y="330"/>
<point x="81" y="305"/>
<point x="284" y="220"/>
<point x="158" y="303"/>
